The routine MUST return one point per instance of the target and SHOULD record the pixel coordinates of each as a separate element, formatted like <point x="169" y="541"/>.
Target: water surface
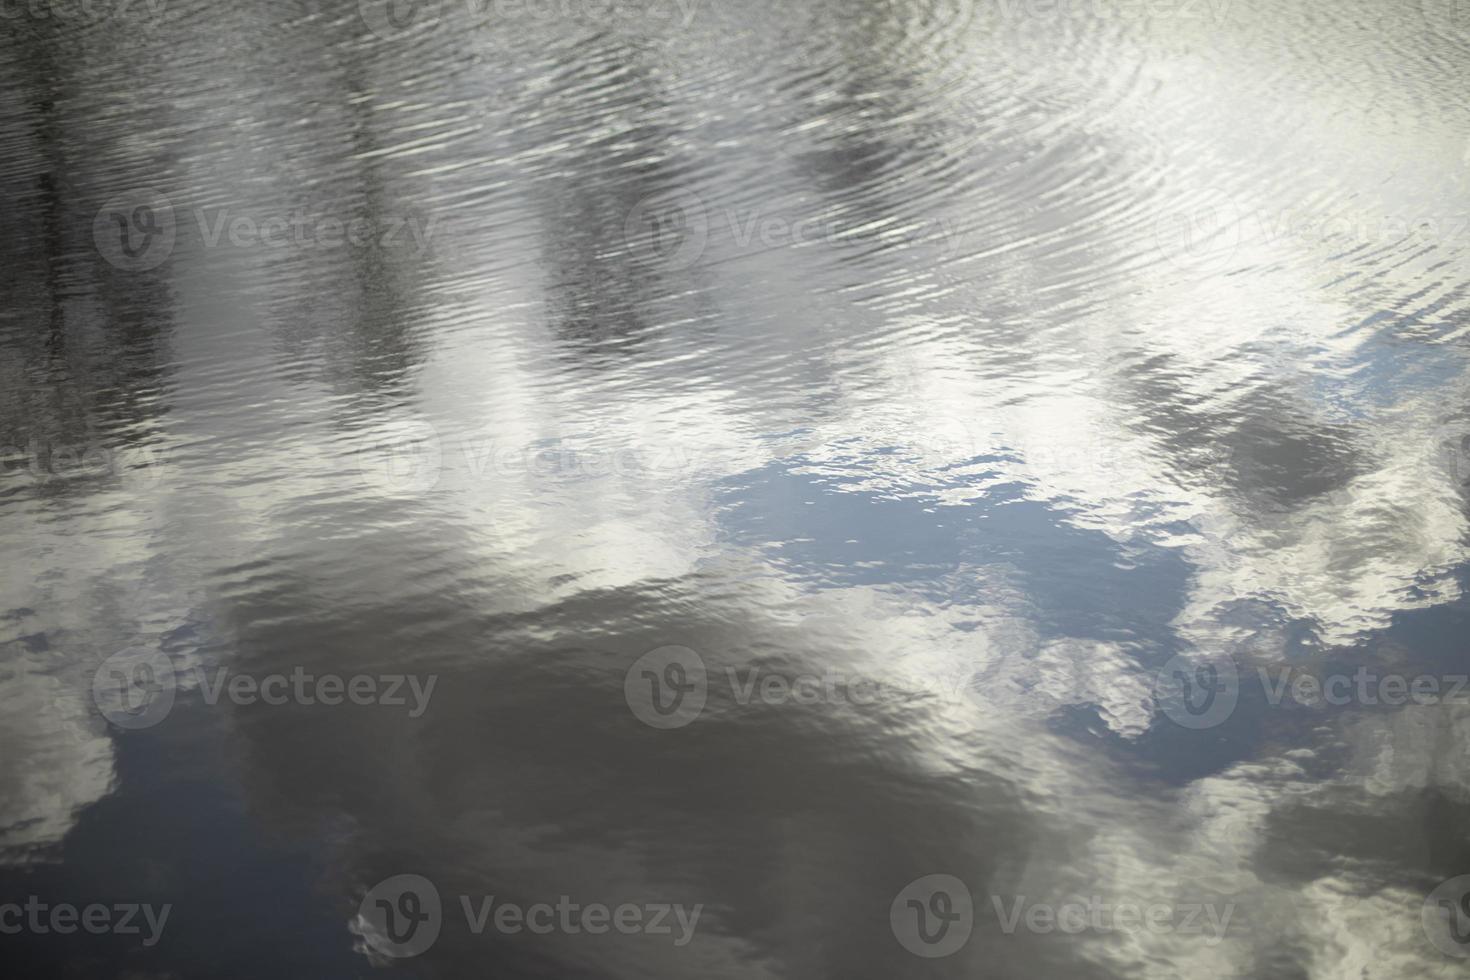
<point x="992" y="402"/>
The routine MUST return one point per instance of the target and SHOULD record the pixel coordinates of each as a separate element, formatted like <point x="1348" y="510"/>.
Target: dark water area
<point x="889" y="488"/>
